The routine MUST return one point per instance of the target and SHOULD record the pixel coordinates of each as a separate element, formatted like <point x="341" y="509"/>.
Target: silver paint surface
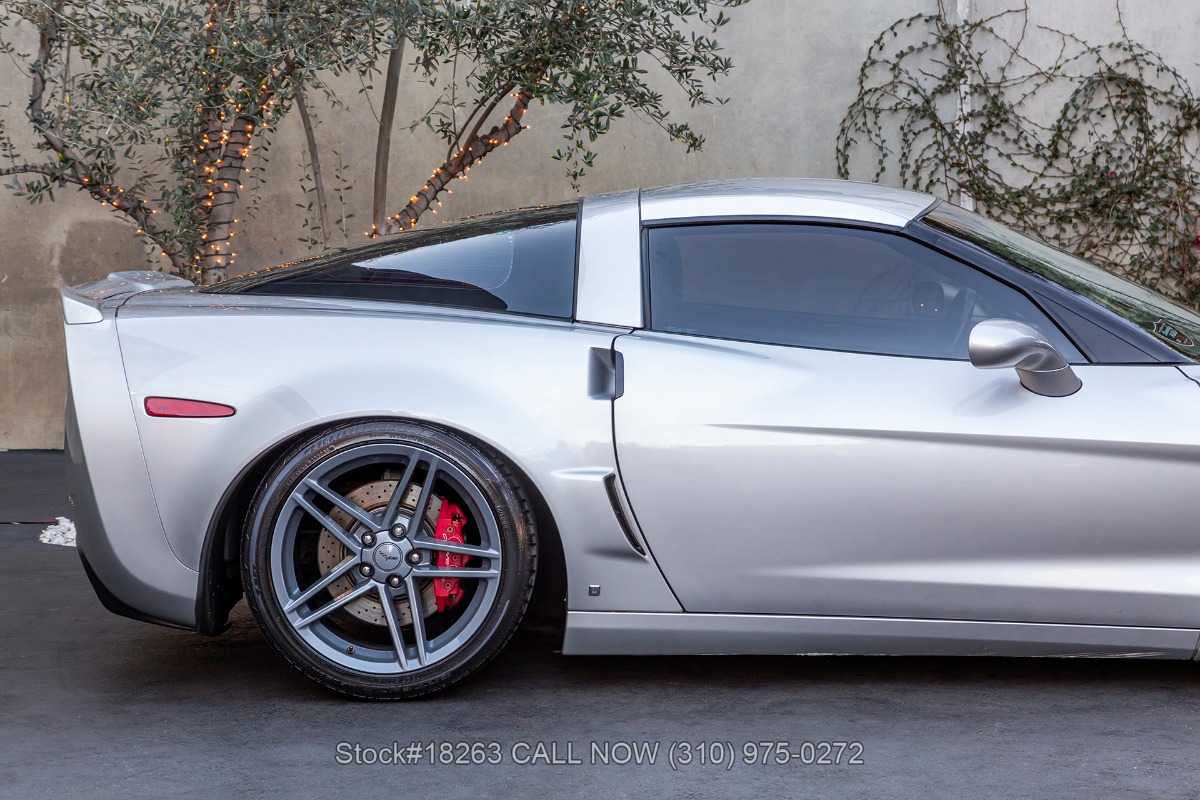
<point x="784" y="480"/>
<point x="609" y="290"/>
<point x="117" y="519"/>
<point x="520" y="385"/>
<point x="786" y="197"/>
<point x="624" y="633"/>
<point x="1008" y="344"/>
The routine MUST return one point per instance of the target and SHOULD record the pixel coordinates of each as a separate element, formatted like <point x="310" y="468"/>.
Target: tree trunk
<point x="218" y="254"/>
<point x="218" y="251"/>
<point x="383" y="143"/>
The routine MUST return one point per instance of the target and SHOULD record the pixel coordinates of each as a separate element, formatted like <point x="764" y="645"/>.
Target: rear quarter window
<point x="518" y="262"/>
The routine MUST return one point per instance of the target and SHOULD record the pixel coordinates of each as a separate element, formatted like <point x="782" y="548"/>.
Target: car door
<point x="801" y="433"/>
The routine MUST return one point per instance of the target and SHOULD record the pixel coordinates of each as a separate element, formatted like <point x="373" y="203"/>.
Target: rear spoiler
<point x="88" y="302"/>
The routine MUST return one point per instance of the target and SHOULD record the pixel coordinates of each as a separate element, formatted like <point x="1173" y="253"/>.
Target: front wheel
<point x="388" y="560"/>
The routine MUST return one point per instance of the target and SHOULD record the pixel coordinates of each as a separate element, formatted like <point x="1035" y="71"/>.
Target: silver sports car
<point x="738" y="417"/>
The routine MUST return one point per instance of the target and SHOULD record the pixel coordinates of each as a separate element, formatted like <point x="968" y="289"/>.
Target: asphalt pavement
<point x="94" y="705"/>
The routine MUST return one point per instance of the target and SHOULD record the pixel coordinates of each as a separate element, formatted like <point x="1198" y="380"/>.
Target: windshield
<point x="1174" y="324"/>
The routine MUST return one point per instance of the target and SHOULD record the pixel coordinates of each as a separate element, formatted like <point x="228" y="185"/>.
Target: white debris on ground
<point x="61" y="532"/>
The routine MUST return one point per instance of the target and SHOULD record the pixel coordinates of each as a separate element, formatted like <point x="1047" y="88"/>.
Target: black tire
<point x="265" y="559"/>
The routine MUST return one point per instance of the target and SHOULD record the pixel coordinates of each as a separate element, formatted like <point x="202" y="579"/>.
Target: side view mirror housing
<point x="1002" y="343"/>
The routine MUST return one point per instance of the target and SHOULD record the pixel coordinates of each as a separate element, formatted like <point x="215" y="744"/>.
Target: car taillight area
<point x="181" y="408"/>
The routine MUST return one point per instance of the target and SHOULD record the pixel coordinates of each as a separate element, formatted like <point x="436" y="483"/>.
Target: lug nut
<point x="414" y="557"/>
<point x="368" y="539"/>
<point x="394" y="581"/>
<point x="398" y="530"/>
<point x="366" y="570"/>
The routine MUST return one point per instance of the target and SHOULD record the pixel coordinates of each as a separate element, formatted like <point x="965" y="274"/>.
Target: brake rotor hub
<point x="373" y="498"/>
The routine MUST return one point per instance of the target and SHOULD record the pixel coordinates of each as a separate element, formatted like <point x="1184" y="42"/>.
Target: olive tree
<point x="162" y="109"/>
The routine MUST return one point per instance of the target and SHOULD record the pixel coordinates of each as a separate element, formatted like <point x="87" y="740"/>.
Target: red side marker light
<point x="175" y="407"/>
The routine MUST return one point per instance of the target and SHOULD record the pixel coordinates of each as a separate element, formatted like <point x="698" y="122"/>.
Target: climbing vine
<point x="1094" y="152"/>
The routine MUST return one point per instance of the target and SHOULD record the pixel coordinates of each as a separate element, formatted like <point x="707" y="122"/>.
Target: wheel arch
<point x="220" y="582"/>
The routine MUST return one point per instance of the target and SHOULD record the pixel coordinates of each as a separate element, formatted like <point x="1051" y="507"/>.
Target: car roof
<point x="787" y="197"/>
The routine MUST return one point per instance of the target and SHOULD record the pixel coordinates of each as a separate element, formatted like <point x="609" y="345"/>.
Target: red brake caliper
<point x="448" y="591"/>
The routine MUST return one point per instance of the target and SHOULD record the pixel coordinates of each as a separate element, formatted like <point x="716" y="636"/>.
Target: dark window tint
<point x="826" y="287"/>
<point x="522" y="262"/>
<point x="1175" y="325"/>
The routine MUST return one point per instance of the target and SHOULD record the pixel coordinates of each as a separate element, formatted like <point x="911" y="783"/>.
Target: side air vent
<point x="610" y="485"/>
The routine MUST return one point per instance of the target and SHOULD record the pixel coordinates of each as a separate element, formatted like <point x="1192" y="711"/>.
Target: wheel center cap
<point x="388" y="557"/>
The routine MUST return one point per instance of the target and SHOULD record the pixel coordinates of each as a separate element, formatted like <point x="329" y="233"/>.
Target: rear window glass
<point x="522" y="262"/>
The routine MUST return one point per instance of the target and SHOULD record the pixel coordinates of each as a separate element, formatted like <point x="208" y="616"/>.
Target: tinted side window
<point x="522" y="263"/>
<point x="825" y="287"/>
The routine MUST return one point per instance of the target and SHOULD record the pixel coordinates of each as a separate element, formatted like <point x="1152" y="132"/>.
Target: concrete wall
<point x="796" y="67"/>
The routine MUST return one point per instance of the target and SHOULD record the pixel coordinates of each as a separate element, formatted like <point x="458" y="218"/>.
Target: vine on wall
<point x="1094" y="152"/>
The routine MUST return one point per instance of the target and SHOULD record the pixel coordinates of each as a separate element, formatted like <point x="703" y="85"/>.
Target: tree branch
<point x="39" y="169"/>
<point x="479" y="106"/>
<point x="478" y="123"/>
<point x="458" y="164"/>
<point x="314" y="158"/>
<point x="47" y="39"/>
<point x="75" y="170"/>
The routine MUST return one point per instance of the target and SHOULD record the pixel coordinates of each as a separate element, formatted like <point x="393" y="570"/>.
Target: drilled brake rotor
<point x="373" y="497"/>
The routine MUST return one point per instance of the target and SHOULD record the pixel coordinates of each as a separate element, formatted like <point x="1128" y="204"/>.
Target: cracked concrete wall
<point x="796" y="68"/>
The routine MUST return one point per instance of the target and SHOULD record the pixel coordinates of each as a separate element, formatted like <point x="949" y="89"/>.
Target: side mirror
<point x="1001" y="343"/>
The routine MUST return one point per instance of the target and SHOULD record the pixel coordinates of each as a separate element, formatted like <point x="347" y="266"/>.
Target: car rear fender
<point x="518" y="386"/>
<point x="120" y="535"/>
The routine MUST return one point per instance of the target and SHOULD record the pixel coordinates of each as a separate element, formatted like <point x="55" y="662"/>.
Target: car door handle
<point x="606" y="374"/>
